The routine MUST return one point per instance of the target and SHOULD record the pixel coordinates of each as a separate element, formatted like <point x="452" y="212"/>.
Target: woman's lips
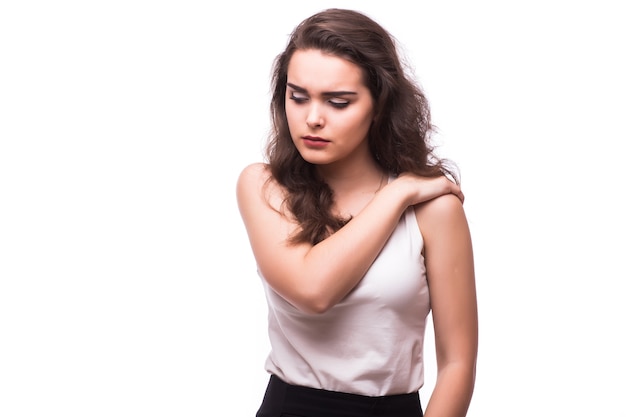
<point x="315" y="142"/>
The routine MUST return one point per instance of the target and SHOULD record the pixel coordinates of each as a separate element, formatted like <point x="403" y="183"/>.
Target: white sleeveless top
<point x="370" y="343"/>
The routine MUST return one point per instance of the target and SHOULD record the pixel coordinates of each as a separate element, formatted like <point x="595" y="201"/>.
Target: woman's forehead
<point x="313" y="69"/>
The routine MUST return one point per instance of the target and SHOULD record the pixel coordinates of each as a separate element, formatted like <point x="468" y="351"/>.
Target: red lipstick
<point x="315" y="141"/>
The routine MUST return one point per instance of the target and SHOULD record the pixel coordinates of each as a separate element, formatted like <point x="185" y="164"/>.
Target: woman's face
<point x="329" y="109"/>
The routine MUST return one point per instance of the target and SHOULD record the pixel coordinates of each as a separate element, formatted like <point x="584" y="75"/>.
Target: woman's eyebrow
<point x="325" y="93"/>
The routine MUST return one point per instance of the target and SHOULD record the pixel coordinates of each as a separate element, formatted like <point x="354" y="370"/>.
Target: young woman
<point x="358" y="231"/>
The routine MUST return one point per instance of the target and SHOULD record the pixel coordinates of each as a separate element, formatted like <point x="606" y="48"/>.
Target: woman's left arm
<point x="450" y="269"/>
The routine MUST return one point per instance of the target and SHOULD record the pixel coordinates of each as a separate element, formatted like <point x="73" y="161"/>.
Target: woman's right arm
<point x="315" y="277"/>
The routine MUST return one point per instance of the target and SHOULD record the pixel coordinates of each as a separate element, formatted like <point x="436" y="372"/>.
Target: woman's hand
<point x="420" y="189"/>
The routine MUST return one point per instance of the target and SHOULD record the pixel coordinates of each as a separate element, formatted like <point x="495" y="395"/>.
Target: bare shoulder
<point x="250" y="184"/>
<point x="256" y="188"/>
<point x="253" y="179"/>
<point x="254" y="173"/>
<point x="440" y="207"/>
<point x="441" y="213"/>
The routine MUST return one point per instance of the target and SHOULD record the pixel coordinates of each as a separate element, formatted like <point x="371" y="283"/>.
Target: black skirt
<point x="285" y="400"/>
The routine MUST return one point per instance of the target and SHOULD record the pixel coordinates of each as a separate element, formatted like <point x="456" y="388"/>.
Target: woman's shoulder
<point x="255" y="185"/>
<point x="440" y="212"/>
<point x="253" y="175"/>
<point x="443" y="224"/>
<point x="254" y="170"/>
<point x="442" y="206"/>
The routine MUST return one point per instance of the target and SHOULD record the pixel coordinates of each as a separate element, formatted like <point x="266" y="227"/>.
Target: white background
<point x="127" y="287"/>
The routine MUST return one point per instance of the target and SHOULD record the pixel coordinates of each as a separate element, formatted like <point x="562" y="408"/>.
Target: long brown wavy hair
<point x="399" y="137"/>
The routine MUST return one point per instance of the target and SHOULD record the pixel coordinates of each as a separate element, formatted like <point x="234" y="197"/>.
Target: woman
<point x="358" y="231"/>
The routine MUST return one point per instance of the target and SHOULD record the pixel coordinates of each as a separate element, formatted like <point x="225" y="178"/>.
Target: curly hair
<point x="399" y="137"/>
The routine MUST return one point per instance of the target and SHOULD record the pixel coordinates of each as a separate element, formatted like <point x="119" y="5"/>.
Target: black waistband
<point x="281" y="397"/>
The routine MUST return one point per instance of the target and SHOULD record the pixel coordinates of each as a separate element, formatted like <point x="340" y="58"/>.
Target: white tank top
<point x="370" y="343"/>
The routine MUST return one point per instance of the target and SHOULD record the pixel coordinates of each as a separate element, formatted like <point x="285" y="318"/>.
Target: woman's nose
<point x="314" y="117"/>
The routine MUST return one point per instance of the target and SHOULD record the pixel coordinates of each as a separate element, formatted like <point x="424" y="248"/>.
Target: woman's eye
<point x="298" y="98"/>
<point x="340" y="104"/>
